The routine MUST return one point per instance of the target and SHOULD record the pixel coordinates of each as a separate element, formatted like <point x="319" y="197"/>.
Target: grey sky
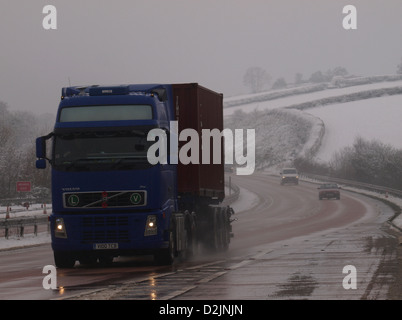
<point x="212" y="42"/>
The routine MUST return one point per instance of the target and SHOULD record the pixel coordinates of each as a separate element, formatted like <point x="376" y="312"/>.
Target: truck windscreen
<point x="106" y="113"/>
<point x="94" y="151"/>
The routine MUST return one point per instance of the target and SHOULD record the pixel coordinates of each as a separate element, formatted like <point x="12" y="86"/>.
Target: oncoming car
<point x="329" y="191"/>
<point x="289" y="175"/>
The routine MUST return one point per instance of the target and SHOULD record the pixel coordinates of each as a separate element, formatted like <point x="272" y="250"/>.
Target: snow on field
<point x="377" y="118"/>
<point x="301" y="98"/>
<point x="374" y="118"/>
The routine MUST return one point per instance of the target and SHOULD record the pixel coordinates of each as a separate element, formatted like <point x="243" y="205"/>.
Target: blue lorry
<point x="108" y="199"/>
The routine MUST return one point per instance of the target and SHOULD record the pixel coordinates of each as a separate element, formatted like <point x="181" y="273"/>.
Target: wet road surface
<point x="289" y="245"/>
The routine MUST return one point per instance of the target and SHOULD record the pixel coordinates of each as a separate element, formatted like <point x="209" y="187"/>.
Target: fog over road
<point x="289" y="245"/>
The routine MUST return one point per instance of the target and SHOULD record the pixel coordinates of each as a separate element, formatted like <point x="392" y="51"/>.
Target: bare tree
<point x="256" y="78"/>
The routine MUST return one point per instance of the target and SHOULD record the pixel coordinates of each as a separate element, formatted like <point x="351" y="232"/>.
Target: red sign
<point x="24" y="186"/>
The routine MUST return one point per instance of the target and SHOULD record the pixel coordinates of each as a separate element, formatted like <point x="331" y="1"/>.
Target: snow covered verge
<point x="15" y="241"/>
<point x="29" y="240"/>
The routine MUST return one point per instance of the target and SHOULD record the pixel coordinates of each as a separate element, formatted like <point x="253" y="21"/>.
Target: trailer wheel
<point x="63" y="260"/>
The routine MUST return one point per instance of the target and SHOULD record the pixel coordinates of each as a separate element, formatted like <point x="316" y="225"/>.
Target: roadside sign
<point x="24" y="186"/>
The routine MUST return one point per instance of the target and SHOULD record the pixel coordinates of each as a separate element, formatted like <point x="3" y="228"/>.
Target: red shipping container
<point x="199" y="108"/>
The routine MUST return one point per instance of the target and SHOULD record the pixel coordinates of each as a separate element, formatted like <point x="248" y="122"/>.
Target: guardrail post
<point x="21" y="234"/>
<point x="6" y="229"/>
<point x="35" y="227"/>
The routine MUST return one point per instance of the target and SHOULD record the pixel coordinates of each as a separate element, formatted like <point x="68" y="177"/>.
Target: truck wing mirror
<point x="41" y="147"/>
<point x="41" y="151"/>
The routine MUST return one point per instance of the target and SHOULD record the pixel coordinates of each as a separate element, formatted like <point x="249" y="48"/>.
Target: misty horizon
<point x="212" y="43"/>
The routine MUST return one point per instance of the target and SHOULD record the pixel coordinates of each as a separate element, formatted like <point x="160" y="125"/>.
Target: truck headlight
<point x="60" y="229"/>
<point x="151" y="227"/>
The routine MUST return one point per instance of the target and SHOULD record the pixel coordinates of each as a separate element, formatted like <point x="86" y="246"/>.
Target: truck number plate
<point x="106" y="246"/>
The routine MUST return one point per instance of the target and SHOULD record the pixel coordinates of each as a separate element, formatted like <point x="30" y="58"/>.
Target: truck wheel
<point x="63" y="260"/>
<point x="166" y="256"/>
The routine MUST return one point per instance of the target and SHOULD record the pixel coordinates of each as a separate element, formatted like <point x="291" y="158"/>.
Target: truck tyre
<point x="166" y="256"/>
<point x="63" y="260"/>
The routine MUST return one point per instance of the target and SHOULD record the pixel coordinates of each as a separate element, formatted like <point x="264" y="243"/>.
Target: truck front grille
<point x="105" y="229"/>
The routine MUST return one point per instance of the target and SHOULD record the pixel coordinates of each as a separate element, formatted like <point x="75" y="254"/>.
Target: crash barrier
<point x="234" y="191"/>
<point x="20" y="223"/>
<point x="361" y="185"/>
<point x="21" y="201"/>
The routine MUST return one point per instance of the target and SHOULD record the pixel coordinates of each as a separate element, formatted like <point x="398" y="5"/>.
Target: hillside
<point x="329" y="118"/>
